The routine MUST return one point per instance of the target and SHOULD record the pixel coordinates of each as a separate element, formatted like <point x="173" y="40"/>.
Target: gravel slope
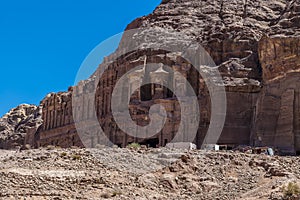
<point x="143" y="174"/>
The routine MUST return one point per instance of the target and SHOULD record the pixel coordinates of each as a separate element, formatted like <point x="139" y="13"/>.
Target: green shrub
<point x="76" y="157"/>
<point x="63" y="154"/>
<point x="134" y="145"/>
<point x="291" y="190"/>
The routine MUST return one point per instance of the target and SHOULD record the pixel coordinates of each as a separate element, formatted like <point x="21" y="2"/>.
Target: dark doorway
<point x="151" y="142"/>
<point x="146" y="92"/>
<point x="119" y="145"/>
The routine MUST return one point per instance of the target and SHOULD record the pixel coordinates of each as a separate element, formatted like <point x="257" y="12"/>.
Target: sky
<point x="43" y="43"/>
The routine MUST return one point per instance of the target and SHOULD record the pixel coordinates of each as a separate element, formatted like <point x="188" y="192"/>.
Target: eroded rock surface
<point x="19" y="126"/>
<point x="277" y="113"/>
<point x="254" y="44"/>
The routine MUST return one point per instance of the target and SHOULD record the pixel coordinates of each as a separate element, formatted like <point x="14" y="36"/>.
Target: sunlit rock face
<point x="277" y="116"/>
<point x="19" y="126"/>
<point x="255" y="45"/>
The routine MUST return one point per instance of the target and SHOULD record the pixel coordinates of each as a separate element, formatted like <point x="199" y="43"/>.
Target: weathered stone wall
<point x="58" y="127"/>
<point x="277" y="118"/>
<point x="270" y="117"/>
<point x="261" y="77"/>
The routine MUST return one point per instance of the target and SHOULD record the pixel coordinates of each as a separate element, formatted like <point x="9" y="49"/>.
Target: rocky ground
<point x="115" y="173"/>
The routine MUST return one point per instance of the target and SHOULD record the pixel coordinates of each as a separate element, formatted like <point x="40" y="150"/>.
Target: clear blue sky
<point x="43" y="43"/>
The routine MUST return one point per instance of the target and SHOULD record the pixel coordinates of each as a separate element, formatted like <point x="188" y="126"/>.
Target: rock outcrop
<point x="251" y="42"/>
<point x="19" y="126"/>
<point x="277" y="120"/>
<point x="254" y="44"/>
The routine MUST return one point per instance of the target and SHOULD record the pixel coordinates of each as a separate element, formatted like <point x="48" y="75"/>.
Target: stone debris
<point x="56" y="173"/>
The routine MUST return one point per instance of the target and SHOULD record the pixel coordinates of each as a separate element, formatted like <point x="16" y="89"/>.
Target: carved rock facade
<point x="260" y="75"/>
<point x="277" y="114"/>
<point x="254" y="43"/>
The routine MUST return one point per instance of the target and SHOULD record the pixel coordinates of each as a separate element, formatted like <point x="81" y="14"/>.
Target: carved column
<point x="159" y="77"/>
<point x="135" y="81"/>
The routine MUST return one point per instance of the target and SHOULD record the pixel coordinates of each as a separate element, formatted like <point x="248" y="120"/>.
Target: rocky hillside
<point x="146" y="174"/>
<point x="223" y="20"/>
<point x="19" y="125"/>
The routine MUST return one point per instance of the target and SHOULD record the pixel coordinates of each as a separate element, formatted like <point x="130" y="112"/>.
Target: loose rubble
<point x="115" y="173"/>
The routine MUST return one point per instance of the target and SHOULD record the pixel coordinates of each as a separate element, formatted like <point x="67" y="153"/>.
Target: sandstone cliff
<point x="254" y="43"/>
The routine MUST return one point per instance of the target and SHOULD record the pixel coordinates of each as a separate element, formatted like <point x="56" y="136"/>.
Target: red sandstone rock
<point x="254" y="43"/>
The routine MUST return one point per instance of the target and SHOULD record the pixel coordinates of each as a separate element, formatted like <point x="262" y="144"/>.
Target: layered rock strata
<point x="254" y="44"/>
